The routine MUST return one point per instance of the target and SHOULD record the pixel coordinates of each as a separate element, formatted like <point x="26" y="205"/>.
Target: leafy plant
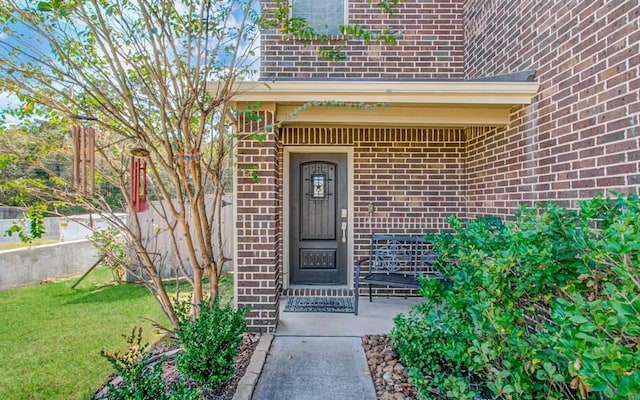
<point x="210" y="342"/>
<point x="34" y="215"/>
<point x="139" y="381"/>
<point x="538" y="305"/>
<point x="599" y="313"/>
<point x="335" y="48"/>
<point x="112" y="251"/>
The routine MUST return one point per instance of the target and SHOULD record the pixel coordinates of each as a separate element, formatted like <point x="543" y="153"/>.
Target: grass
<point x="52" y="335"/>
<point x="19" y="245"/>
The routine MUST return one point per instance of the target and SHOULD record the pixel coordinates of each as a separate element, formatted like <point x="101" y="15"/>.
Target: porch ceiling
<point x="389" y="103"/>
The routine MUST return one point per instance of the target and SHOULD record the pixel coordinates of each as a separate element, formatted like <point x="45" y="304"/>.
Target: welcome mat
<point x="320" y="304"/>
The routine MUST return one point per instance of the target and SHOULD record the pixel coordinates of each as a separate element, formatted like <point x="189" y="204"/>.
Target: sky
<point x="8" y="100"/>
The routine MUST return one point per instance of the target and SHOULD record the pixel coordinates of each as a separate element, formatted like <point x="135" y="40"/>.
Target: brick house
<point x="486" y="104"/>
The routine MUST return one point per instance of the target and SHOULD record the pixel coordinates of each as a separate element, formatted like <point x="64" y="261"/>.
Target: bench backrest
<point x="401" y="254"/>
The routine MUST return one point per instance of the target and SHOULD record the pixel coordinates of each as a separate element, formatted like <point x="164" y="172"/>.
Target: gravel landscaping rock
<point x="388" y="374"/>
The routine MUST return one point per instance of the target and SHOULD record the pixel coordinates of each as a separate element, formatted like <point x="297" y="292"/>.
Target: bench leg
<point x="355" y="306"/>
<point x="370" y="294"/>
<point x="356" y="295"/>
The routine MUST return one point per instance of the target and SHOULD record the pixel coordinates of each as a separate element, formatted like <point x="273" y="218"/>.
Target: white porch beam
<point x="396" y="115"/>
<point x="445" y="103"/>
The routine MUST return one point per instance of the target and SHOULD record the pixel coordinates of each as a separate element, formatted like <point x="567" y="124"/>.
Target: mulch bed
<point x="388" y="374"/>
<point x="171" y="374"/>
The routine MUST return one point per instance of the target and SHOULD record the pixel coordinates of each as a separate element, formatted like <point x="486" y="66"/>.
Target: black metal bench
<point x="395" y="261"/>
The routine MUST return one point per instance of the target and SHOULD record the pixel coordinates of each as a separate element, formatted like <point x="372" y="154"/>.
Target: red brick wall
<point x="581" y="135"/>
<point x="415" y="178"/>
<point x="431" y="46"/>
<point x="257" y="264"/>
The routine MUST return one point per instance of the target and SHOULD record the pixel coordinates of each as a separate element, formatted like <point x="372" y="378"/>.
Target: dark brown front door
<point x="318" y="231"/>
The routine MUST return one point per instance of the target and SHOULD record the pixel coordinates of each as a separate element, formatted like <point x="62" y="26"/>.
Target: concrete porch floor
<point x="373" y="318"/>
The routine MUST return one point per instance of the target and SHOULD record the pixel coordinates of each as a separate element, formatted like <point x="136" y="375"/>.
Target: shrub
<point x="548" y="300"/>
<point x="112" y="251"/>
<point x="211" y="343"/>
<point x="599" y="312"/>
<point x="139" y="381"/>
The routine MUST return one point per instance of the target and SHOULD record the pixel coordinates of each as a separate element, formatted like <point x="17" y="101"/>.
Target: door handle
<point x="344" y="232"/>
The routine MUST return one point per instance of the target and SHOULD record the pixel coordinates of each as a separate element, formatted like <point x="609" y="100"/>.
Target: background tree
<point x="34" y="152"/>
<point x="138" y="72"/>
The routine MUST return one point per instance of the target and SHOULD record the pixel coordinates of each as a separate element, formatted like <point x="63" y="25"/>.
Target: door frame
<point x="286" y="217"/>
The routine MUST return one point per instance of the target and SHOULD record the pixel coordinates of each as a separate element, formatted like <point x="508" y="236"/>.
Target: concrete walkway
<point x="373" y="319"/>
<point x="319" y="356"/>
<point x="315" y="368"/>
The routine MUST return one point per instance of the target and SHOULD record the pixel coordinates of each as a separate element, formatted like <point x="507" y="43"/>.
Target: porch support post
<point x="257" y="262"/>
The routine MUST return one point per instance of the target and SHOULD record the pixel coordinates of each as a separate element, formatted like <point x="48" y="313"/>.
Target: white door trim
<point x="286" y="209"/>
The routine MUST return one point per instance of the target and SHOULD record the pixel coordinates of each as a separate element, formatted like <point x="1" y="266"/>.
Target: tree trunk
<point x="164" y="300"/>
<point x="214" y="281"/>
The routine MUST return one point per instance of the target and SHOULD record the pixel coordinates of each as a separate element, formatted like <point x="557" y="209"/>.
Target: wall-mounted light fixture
<point x="371" y="208"/>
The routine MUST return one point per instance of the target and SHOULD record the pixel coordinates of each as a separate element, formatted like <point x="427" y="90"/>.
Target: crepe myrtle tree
<point x="139" y="73"/>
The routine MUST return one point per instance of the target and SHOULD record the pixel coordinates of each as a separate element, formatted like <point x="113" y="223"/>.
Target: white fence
<point x="158" y="238"/>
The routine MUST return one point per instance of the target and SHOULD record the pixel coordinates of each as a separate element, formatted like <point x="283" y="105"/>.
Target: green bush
<point x="599" y="312"/>
<point x="210" y="343"/>
<point x="548" y="300"/>
<point x="139" y="381"/>
<point x="112" y="251"/>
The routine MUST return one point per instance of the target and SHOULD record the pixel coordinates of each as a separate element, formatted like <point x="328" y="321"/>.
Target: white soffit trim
<point x="398" y="115"/>
<point x="389" y="92"/>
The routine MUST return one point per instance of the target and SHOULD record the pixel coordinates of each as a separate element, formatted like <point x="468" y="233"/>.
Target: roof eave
<point x="389" y="92"/>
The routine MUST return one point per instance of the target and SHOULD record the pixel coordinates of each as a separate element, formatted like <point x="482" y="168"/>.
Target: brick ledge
<point x="248" y="382"/>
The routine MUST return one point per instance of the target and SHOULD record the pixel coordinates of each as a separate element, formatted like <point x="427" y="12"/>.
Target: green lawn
<point x="51" y="335"/>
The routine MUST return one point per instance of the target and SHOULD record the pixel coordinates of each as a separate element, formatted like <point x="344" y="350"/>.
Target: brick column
<point x="258" y="225"/>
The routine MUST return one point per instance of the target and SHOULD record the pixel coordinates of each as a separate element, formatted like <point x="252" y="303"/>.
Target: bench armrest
<point x="358" y="269"/>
